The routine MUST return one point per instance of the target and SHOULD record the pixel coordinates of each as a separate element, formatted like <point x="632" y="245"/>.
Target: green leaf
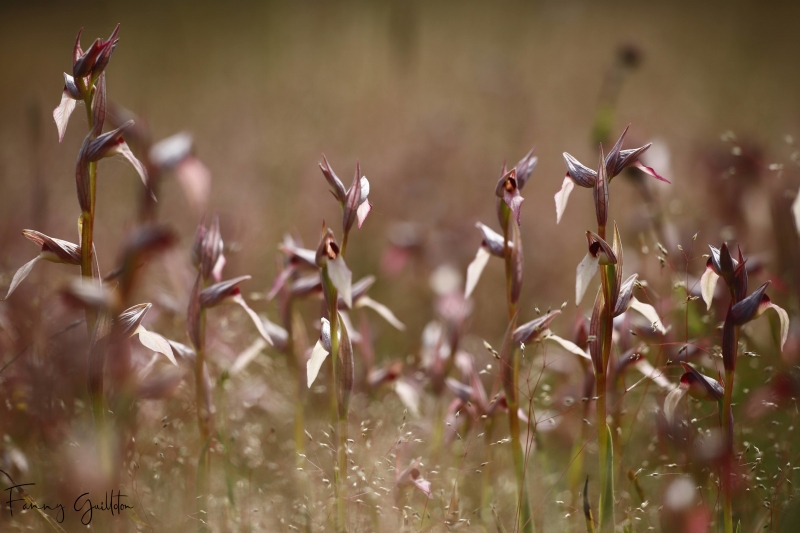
<point x="607" y="495"/>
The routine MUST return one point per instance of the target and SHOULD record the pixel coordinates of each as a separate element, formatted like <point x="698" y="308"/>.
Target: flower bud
<point x="352" y="201"/>
<point x="601" y="193"/>
<point x="699" y="386"/>
<point x="217" y="293"/>
<point x="530" y="331"/>
<point x="508" y="190"/>
<point x="337" y="187"/>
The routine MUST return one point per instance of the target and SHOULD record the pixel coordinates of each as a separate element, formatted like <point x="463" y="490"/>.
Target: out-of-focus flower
<point x="53" y="250"/>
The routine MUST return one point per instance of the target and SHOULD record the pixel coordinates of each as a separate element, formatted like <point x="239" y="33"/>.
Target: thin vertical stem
<point x="203" y="423"/>
<point x="340" y="466"/>
<point x="512" y="392"/>
<point x="512" y="399"/>
<point x="606" y="515"/>
<point x="727" y="431"/>
<point x="486" y="479"/>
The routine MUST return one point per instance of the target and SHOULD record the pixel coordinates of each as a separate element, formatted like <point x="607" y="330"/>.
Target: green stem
<point x="203" y="423"/>
<point x="344" y="243"/>
<point x="512" y="392"/>
<point x="486" y="485"/>
<point x="339" y="417"/>
<point x="727" y="431"/>
<point x="525" y="517"/>
<point x="606" y="515"/>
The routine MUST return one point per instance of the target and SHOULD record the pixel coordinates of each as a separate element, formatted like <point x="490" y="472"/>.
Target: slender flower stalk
<point x="741" y="310"/>
<point x="88" y="84"/>
<point x="337" y="284"/>
<point x="509" y="201"/>
<point x="209" y="260"/>
<point x="614" y="297"/>
<point x="336" y="280"/>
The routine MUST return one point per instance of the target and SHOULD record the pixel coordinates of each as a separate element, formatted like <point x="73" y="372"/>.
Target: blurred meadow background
<point x="431" y="97"/>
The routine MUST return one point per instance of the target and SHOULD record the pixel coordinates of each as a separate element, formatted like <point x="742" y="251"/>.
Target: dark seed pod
<point x="595" y="331"/>
<point x="746" y="310"/>
<point x="729" y="348"/>
<point x="601" y="193"/>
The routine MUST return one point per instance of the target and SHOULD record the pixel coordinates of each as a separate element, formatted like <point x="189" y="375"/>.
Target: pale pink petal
<point x="475" y="269"/>
<point x="385" y="312"/>
<point x="562" y="197"/>
<point x="708" y="282"/>
<point x="585" y="272"/>
<point x="567" y="345"/>
<point x="650" y="313"/>
<point x="216" y="272"/>
<point x="314" y="363"/>
<point x="671" y="402"/>
<point x="362" y="212"/>
<point x="238" y="299"/>
<point x="21" y="274"/>
<point x="796" y="212"/>
<point x="784" y="316"/>
<point x="280" y="281"/>
<point x="342" y="279"/>
<point x="649" y="170"/>
<point x="408" y="394"/>
<point x="422" y="484"/>
<point x="195" y="179"/>
<point x="648" y="371"/>
<point x="156" y="342"/>
<point x="247" y="356"/>
<point x="125" y="151"/>
<point x="62" y="112"/>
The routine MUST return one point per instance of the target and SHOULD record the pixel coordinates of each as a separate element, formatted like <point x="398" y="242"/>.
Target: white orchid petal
<point x="362" y="212"/>
<point x="318" y="355"/>
<point x="195" y="180"/>
<point x="647" y="370"/>
<point x="155" y="342"/>
<point x="408" y="395"/>
<point x="784" y="316"/>
<point x="247" y="356"/>
<point x="238" y="299"/>
<point x="124" y="150"/>
<point x="796" y="212"/>
<point x="562" y="197"/>
<point x="708" y="283"/>
<point x="20" y="275"/>
<point x="584" y="274"/>
<point x="62" y="112"/>
<point x="569" y="346"/>
<point x="650" y="313"/>
<point x="342" y="279"/>
<point x="475" y="269"/>
<point x="385" y="312"/>
<point x="671" y="403"/>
